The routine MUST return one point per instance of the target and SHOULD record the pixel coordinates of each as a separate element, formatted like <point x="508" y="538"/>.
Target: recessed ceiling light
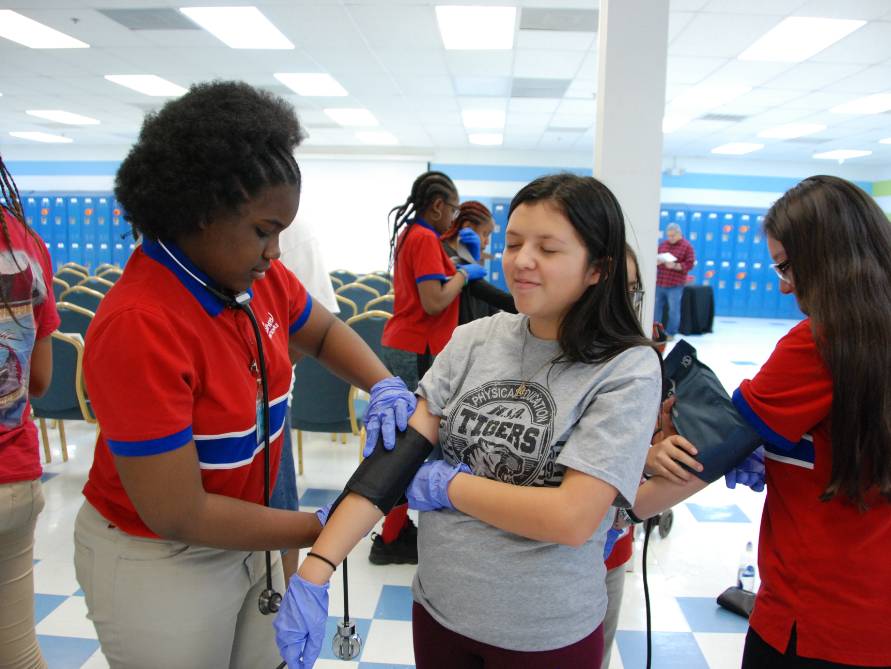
<point x="841" y="154"/>
<point x="475" y="27"/>
<point x="60" y="116"/>
<point x="887" y="140"/>
<point x="149" y="84"/>
<point x="312" y="85"/>
<point x="486" y="138"/>
<point x="42" y="137"/>
<point x="797" y="38"/>
<point x="737" y="148"/>
<point x="871" y="104"/>
<point x="483" y="118"/>
<point x="21" y="29"/>
<point x="381" y="138"/>
<point x="792" y="130"/>
<point x="239" y="27"/>
<point x="356" y="117"/>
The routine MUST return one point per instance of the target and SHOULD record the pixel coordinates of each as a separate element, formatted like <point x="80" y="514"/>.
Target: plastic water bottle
<point x="745" y="575"/>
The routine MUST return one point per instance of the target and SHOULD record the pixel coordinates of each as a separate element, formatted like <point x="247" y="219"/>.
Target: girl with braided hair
<point x="425" y="312"/>
<point x="466" y="241"/>
<point x="27" y="319"/>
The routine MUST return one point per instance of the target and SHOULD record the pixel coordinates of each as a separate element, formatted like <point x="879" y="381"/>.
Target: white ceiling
<point x="388" y="54"/>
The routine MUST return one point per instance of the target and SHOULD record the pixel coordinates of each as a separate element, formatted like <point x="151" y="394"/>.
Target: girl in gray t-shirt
<point x="544" y="418"/>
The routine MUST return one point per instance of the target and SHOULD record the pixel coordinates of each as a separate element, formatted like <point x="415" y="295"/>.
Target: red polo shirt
<point x="419" y="257"/>
<point x="825" y="566"/>
<point x="168" y="364"/>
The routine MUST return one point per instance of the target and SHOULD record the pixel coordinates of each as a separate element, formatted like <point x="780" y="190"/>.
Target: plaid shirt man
<point x="683" y="251"/>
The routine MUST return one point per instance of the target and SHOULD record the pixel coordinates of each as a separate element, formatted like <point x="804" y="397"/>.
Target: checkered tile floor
<point x="687" y="569"/>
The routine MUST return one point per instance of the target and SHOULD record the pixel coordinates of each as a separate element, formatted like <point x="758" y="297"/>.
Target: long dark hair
<point x="602" y="323"/>
<point x="426" y="188"/>
<point x="838" y="243"/>
<point x="471" y="212"/>
<point x="9" y="192"/>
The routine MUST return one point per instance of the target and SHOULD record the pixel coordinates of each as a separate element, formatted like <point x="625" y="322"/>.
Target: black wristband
<point x="323" y="559"/>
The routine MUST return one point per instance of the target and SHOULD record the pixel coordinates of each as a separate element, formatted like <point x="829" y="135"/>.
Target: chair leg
<point x="47" y="454"/>
<point x="64" y="442"/>
<point x="361" y="442"/>
<point x="299" y="452"/>
<point x="333" y="437"/>
<point x="343" y="438"/>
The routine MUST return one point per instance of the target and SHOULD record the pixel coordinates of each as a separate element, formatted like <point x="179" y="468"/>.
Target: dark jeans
<point x="758" y="654"/>
<point x="672" y="296"/>
<point x="439" y="648"/>
<point x="284" y="492"/>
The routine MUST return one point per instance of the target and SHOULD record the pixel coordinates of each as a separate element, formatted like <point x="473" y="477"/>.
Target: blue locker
<point x="711" y="236"/>
<point x="75" y="225"/>
<point x="496" y="242"/>
<point x="726" y="240"/>
<point x="37" y="215"/>
<point x="59" y="224"/>
<point x="739" y="289"/>
<point x="664" y="218"/>
<point x="101" y="229"/>
<point x="88" y="234"/>
<point x="770" y="288"/>
<point x="745" y="229"/>
<point x="723" y="288"/>
<point x="758" y="248"/>
<point x="755" y="288"/>
<point x="695" y="237"/>
<point x="119" y="236"/>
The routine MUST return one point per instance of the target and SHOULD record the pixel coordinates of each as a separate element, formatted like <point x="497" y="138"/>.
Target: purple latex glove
<point x="300" y="623"/>
<point x="611" y="537"/>
<point x="749" y="473"/>
<point x="471" y="241"/>
<point x="429" y="489"/>
<point x="389" y="409"/>
<point x="322" y="514"/>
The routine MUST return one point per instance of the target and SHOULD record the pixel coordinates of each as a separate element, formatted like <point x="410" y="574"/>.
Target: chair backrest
<point x="344" y="276"/>
<point x="358" y="293"/>
<point x="381" y="284"/>
<point x="111" y="273"/>
<point x="74" y="319"/>
<point x="100" y="269"/>
<point x="97" y="283"/>
<point x="370" y="326"/>
<point x="382" y="303"/>
<point x="70" y="275"/>
<point x="347" y="307"/>
<point x="320" y="399"/>
<point x="59" y="287"/>
<point x="83" y="297"/>
<point x="335" y="282"/>
<point x="76" y="266"/>
<point x="66" y="397"/>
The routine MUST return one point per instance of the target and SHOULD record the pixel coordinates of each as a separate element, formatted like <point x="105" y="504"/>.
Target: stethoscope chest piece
<point x="346" y="643"/>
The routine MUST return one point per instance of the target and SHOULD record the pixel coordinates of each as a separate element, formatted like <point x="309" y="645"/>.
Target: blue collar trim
<point x="424" y="224"/>
<point x="195" y="281"/>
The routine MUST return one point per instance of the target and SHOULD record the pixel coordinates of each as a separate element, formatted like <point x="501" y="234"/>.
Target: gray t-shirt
<point x="495" y="586"/>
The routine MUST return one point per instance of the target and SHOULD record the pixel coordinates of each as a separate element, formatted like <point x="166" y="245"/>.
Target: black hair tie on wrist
<point x="323" y="559"/>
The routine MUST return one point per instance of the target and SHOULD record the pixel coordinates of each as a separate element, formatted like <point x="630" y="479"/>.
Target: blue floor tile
<point x="65" y="652"/>
<point x="46" y="476"/>
<point x="394" y="603"/>
<point x="46" y="604"/>
<point x="363" y="625"/>
<point x="318" y="497"/>
<point x="730" y="513"/>
<point x="704" y="615"/>
<point x="671" y="650"/>
<point x="79" y="593"/>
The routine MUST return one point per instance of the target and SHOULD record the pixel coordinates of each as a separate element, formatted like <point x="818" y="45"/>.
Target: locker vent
<point x="539" y="88"/>
<point x="152" y="18"/>
<point x="568" y="20"/>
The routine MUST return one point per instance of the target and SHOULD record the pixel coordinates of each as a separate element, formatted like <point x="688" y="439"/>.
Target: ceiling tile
<point x="771" y="7"/>
<point x="554" y="39"/>
<point x="533" y="105"/>
<point x="476" y="63"/>
<point x="810" y="76"/>
<point x="689" y="70"/>
<point x="869" y="45"/>
<point x="539" y="63"/>
<point x="866" y="10"/>
<point x="720" y="35"/>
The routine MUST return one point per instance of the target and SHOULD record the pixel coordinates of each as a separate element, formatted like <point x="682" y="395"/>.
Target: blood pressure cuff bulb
<point x="384" y="475"/>
<point x="704" y="415"/>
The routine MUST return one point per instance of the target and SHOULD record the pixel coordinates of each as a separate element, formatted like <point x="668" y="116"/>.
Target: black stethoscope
<point x="346" y="643"/>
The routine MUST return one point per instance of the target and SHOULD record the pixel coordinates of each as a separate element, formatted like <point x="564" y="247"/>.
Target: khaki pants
<point x="165" y="604"/>
<point x="20" y="504"/>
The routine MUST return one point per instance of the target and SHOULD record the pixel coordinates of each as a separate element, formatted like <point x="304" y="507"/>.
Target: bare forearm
<point x="659" y="494"/>
<point x="435" y="296"/>
<point x="351" y="520"/>
<point x="225" y="522"/>
<point x="346" y="355"/>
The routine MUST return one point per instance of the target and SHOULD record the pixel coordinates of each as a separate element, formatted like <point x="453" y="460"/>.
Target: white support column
<point x="632" y="53"/>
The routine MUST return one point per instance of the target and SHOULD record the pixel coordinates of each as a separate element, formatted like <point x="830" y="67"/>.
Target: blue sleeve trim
<point x="431" y="277"/>
<point x="766" y="433"/>
<point x="151" y="446"/>
<point x="303" y="317"/>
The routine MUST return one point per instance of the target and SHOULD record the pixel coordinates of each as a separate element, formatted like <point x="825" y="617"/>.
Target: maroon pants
<point x="439" y="648"/>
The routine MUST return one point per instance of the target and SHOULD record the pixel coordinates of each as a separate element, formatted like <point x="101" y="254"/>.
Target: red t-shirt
<point x="26" y="279"/>
<point x="419" y="257"/>
<point x="622" y="550"/>
<point x="167" y="364"/>
<point x="825" y="566"/>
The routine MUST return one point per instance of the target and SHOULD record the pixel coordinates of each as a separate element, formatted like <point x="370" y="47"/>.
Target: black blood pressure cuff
<point x="384" y="475"/>
<point x="704" y="415"/>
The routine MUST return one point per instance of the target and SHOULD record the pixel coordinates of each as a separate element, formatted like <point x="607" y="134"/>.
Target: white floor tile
<point x="55" y="576"/>
<point x="389" y="641"/>
<point x="96" y="661"/>
<point x="721" y="651"/>
<point x="68" y="619"/>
